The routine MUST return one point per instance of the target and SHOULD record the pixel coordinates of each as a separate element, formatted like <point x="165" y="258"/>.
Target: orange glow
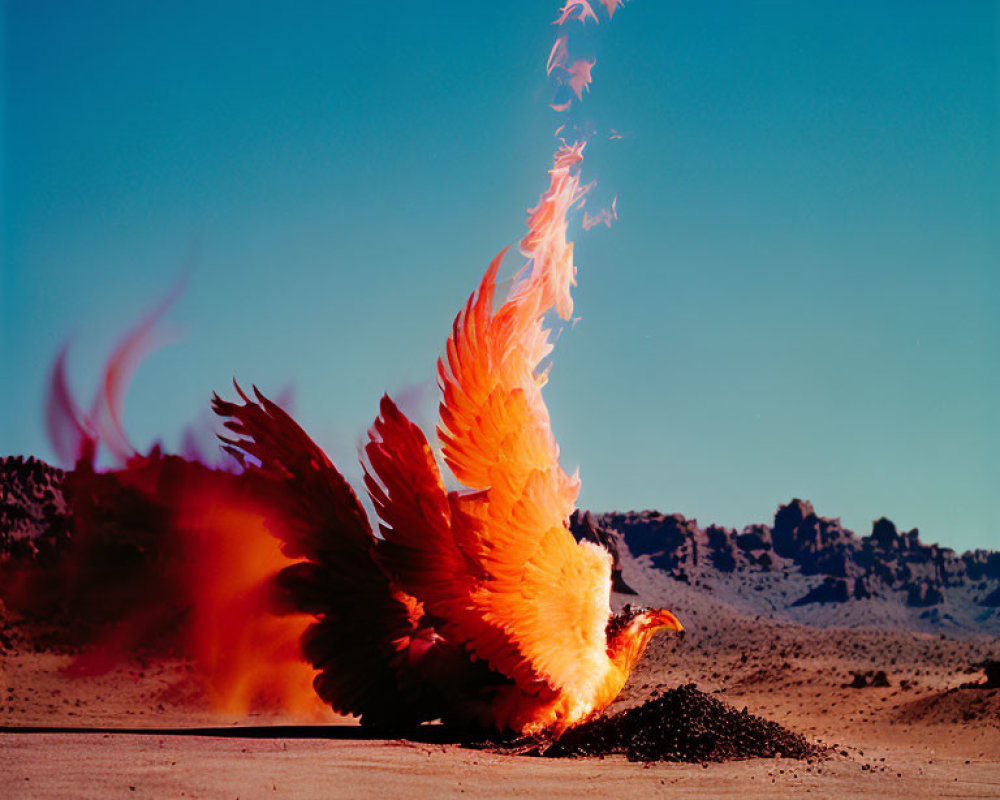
<point x="169" y="556"/>
<point x="247" y="653"/>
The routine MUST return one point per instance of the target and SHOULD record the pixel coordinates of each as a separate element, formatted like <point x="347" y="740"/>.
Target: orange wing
<point x="368" y="634"/>
<point x="499" y="565"/>
<point x="550" y="594"/>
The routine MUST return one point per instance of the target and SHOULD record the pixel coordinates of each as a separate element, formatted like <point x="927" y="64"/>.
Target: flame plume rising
<point x="545" y="242"/>
<point x="576" y="76"/>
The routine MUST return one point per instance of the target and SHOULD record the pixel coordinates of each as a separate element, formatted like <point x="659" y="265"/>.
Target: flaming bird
<point x="477" y="607"/>
<point x="473" y="606"/>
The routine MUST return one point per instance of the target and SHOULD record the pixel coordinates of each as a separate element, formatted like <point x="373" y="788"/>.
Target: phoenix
<point x="474" y="606"/>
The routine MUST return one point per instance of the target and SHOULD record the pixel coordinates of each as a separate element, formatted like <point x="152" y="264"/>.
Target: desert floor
<point x="142" y="729"/>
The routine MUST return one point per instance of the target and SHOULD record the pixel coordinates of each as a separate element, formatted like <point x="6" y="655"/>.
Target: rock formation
<point x="800" y="563"/>
<point x="834" y="565"/>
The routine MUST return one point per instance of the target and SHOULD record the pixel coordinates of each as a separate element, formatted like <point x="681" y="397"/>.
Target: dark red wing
<point x="366" y="628"/>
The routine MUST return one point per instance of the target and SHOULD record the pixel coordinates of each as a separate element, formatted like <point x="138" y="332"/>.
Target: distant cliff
<point x="803" y="559"/>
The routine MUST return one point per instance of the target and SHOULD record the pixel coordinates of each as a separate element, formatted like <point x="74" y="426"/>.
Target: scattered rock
<point x="874" y="679"/>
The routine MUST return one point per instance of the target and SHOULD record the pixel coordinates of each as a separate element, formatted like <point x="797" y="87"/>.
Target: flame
<point x="576" y="9"/>
<point x="166" y="554"/>
<point x="109" y="404"/>
<point x="246" y="651"/>
<point x="75" y="436"/>
<point x="169" y="556"/>
<point x="605" y="216"/>
<point x="579" y="76"/>
<point x="558" y="56"/>
<point x="70" y="434"/>
<point x="612" y="6"/>
<point x="545" y="243"/>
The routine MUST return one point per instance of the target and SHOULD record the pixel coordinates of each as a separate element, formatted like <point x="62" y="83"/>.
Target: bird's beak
<point x="663" y="619"/>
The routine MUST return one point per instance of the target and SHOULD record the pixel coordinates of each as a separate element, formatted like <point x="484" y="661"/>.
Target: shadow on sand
<point x="427" y="734"/>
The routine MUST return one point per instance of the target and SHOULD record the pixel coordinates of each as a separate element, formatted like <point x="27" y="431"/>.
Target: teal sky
<point x="799" y="298"/>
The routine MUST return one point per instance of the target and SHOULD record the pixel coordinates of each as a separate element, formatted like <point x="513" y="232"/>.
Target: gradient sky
<point x="799" y="299"/>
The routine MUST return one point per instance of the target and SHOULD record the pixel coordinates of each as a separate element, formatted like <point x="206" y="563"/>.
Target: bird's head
<point x="630" y="630"/>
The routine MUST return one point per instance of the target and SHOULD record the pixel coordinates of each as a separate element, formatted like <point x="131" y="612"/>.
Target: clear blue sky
<point x="799" y="299"/>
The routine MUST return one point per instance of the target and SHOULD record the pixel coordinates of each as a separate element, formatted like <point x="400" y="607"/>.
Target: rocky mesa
<point x="812" y="569"/>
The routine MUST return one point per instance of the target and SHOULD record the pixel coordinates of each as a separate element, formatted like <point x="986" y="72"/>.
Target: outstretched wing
<point x="367" y="629"/>
<point x="498" y="565"/>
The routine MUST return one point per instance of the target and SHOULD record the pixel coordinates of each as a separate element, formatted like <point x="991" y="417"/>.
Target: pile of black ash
<point x="684" y="724"/>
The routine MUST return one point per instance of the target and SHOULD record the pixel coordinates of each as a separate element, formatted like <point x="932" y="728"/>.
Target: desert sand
<point x="138" y="730"/>
<point x="145" y="728"/>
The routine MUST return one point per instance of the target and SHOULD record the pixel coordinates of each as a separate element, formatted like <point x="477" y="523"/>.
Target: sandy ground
<point x="143" y="730"/>
<point x="102" y="765"/>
